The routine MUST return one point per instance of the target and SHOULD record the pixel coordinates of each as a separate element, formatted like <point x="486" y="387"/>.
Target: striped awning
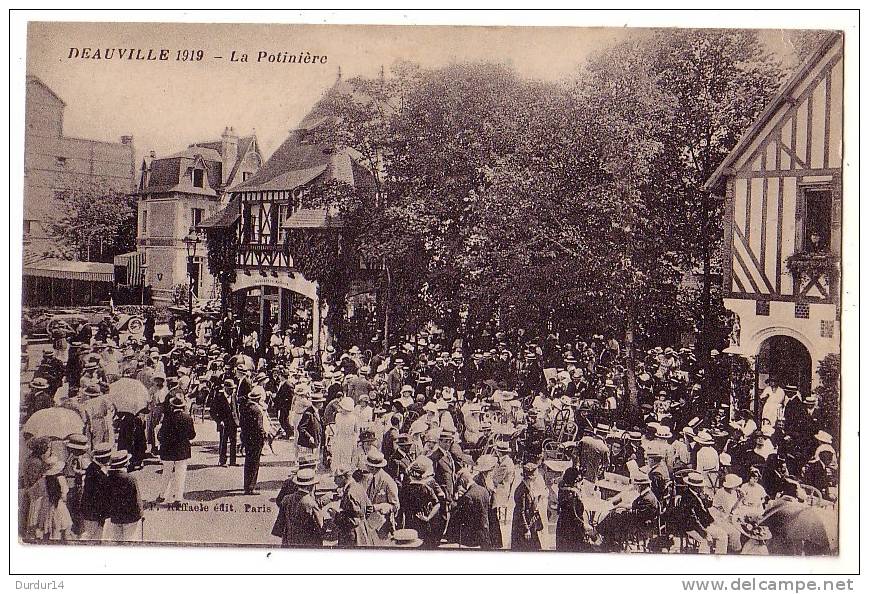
<point x="135" y="272"/>
<point x="70" y="270"/>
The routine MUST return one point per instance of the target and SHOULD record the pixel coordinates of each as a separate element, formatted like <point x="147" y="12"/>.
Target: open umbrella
<point x="53" y="422"/>
<point x="794" y="525"/>
<point x="128" y="395"/>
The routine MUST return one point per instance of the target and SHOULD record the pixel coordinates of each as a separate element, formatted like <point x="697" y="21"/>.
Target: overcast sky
<point x="166" y="105"/>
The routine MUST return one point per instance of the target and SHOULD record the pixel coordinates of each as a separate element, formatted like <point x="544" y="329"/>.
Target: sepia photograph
<point x="551" y="289"/>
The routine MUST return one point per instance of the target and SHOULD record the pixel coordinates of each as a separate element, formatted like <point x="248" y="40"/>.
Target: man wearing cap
<point x="300" y="519"/>
<point x="226" y="417"/>
<point x="125" y="503"/>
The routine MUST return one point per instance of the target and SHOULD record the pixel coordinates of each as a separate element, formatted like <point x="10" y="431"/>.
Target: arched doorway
<point x="786" y="358"/>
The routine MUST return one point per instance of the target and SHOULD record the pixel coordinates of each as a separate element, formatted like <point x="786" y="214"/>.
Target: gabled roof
<point x="783" y="96"/>
<point x="166" y="172"/>
<point x="294" y="154"/>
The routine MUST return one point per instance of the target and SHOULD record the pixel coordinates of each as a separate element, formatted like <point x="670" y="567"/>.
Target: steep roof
<point x="783" y="96"/>
<point x="166" y="172"/>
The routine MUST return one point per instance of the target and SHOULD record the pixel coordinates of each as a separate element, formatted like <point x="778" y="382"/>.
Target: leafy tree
<point x="718" y="82"/>
<point x="98" y="223"/>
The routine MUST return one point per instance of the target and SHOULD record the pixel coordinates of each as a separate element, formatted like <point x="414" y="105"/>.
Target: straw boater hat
<point x="602" y="429"/>
<point x="77" y="442"/>
<point x="103" y="452"/>
<point x="694" y="479"/>
<point x="307" y="462"/>
<point x="731" y="481"/>
<point x="502" y="446"/>
<point x="39" y="383"/>
<point x="119" y="460"/>
<point x="703" y="438"/>
<point x="485" y="463"/>
<point x="305" y="477"/>
<point x="663" y="432"/>
<point x="406" y="538"/>
<point x="178" y="403"/>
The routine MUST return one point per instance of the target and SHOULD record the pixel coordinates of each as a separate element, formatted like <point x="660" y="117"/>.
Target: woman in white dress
<point x="346" y="435"/>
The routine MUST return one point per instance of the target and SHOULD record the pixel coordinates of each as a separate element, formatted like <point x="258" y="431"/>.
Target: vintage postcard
<point x="433" y="287"/>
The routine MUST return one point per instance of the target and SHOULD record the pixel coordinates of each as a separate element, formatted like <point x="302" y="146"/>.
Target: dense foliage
<point x="97" y="223"/>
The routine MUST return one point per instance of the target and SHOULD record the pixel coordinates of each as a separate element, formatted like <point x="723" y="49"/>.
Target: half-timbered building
<point x="270" y="206"/>
<point x="782" y="192"/>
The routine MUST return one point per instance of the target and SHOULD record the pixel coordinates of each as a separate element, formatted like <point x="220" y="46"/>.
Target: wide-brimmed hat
<point x="103" y="451"/>
<point x="178" y="402"/>
<point x="305" y="477"/>
<point x="346" y="404"/>
<point x="77" y="442"/>
<point x="406" y="538"/>
<point x="119" y="460"/>
<point x="731" y="481"/>
<point x="375" y="459"/>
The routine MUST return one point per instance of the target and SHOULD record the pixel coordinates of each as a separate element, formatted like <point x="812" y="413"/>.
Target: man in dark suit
<point x="474" y="523"/>
<point x="693" y="511"/>
<point x="226" y="417"/>
<point x="252" y="438"/>
<point x="175" y="434"/>
<point x="444" y="471"/>
<point x="124" y="501"/>
<point x="311" y="427"/>
<point x="93" y="508"/>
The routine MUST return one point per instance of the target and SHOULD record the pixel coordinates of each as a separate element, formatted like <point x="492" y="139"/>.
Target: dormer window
<point x="198" y="178"/>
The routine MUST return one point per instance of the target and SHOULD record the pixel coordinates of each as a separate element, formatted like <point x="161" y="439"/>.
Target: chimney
<point x="228" y="152"/>
<point x="126" y="140"/>
<point x="153" y="154"/>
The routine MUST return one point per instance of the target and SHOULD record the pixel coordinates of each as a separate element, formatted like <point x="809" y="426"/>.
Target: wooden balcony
<point x="263" y="256"/>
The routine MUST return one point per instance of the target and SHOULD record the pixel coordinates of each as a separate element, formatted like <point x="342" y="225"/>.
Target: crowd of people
<point x="500" y="441"/>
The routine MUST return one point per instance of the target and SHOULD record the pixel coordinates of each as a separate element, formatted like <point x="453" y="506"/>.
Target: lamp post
<point x="144" y="268"/>
<point x="191" y="241"/>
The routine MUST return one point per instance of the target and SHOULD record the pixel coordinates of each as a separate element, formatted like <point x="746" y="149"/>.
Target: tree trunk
<point x="387" y="307"/>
